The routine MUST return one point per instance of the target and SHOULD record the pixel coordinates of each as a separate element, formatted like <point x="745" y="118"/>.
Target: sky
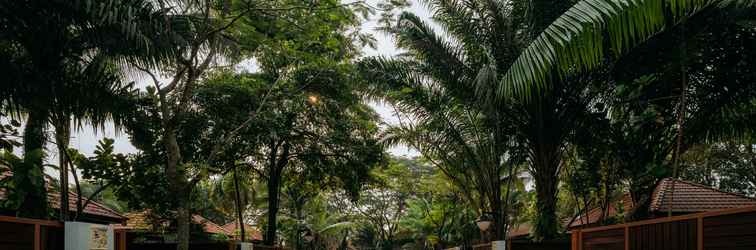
<point x="85" y="139"/>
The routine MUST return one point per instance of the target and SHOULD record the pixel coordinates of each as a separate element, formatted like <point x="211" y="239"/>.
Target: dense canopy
<point x="279" y="115"/>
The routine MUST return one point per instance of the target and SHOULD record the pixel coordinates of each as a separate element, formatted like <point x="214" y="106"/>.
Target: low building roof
<point x="145" y="221"/>
<point x="209" y="226"/>
<point x="688" y="197"/>
<point x="251" y="232"/>
<point x="95" y="209"/>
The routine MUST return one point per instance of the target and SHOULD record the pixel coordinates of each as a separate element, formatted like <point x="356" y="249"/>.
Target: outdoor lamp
<point x="483" y="222"/>
<point x="308" y="237"/>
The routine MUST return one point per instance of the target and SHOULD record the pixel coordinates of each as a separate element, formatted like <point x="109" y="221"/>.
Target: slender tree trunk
<point x="79" y="206"/>
<point x="239" y="211"/>
<point x="507" y="201"/>
<point x="30" y="176"/>
<point x="498" y="218"/>
<point x="277" y="165"/>
<point x="274" y="187"/>
<point x="298" y="214"/>
<point x="62" y="138"/>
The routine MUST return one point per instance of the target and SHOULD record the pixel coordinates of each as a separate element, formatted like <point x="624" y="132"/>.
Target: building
<point x="252" y="234"/>
<point x="687" y="198"/>
<point x="94" y="212"/>
<point x="148" y="230"/>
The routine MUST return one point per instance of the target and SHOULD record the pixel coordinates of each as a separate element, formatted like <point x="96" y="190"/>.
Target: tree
<point x="648" y="85"/>
<point x="438" y="216"/>
<point x="383" y="203"/>
<point x="268" y="26"/>
<point x="591" y="30"/>
<point x="578" y="41"/>
<point x="55" y="49"/>
<point x="727" y="166"/>
<point x="331" y="138"/>
<point x="481" y="40"/>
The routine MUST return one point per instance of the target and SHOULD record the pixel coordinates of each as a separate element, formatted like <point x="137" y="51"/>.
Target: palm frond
<point x="577" y="41"/>
<point x="336" y="227"/>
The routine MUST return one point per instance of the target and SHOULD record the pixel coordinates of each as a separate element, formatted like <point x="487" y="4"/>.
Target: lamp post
<point x="308" y="237"/>
<point x="484" y="222"/>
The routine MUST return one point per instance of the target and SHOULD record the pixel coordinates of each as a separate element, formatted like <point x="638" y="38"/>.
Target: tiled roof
<point x="688" y="197"/>
<point x="251" y="232"/>
<point x="594" y="215"/>
<point x="519" y="231"/>
<point x="93" y="208"/>
<point x="209" y="226"/>
<point x="144" y="220"/>
<point x="53" y="199"/>
<point x="138" y="221"/>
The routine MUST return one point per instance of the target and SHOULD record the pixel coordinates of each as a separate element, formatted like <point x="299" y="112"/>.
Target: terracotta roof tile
<point x="251" y="232"/>
<point x="137" y="221"/>
<point x="691" y="197"/>
<point x="144" y="220"/>
<point x="53" y="199"/>
<point x="688" y="197"/>
<point x="93" y="208"/>
<point x="209" y="226"/>
<point x="595" y="214"/>
<point x="520" y="230"/>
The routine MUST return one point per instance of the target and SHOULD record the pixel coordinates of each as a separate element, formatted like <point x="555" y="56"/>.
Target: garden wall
<point x="30" y="234"/>
<point x="733" y="229"/>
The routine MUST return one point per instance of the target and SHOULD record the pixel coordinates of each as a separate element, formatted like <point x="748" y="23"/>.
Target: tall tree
<point x="54" y="50"/>
<point x="481" y="40"/>
<point x="217" y="27"/>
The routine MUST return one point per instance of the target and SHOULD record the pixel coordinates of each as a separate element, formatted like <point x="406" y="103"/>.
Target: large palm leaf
<point x="592" y="30"/>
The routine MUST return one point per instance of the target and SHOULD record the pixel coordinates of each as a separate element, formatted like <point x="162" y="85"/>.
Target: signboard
<point x="88" y="236"/>
<point x="98" y="239"/>
<point x="499" y="245"/>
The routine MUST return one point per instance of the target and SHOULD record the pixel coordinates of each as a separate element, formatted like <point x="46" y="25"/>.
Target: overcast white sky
<point x="85" y="140"/>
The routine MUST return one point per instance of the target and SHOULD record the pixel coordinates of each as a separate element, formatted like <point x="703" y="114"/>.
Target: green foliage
<point x="727" y="166"/>
<point x="8" y="134"/>
<point x="438" y="217"/>
<point x="590" y="31"/>
<point x="132" y="178"/>
<point x="23" y="190"/>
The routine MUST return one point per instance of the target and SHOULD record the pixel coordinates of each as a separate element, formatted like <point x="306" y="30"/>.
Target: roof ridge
<point x="657" y="196"/>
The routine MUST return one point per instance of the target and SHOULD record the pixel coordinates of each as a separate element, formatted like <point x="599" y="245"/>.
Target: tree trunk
<point x="277" y="165"/>
<point x="498" y="218"/>
<point x="183" y="218"/>
<point x="239" y="211"/>
<point x="274" y="187"/>
<point x="178" y="184"/>
<point x="29" y="177"/>
<point x="300" y="218"/>
<point x="546" y="181"/>
<point x="62" y="138"/>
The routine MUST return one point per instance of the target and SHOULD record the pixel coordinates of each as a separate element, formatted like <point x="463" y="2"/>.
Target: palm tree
<point x="62" y="56"/>
<point x="592" y="33"/>
<point x="485" y="38"/>
<point x="466" y="136"/>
